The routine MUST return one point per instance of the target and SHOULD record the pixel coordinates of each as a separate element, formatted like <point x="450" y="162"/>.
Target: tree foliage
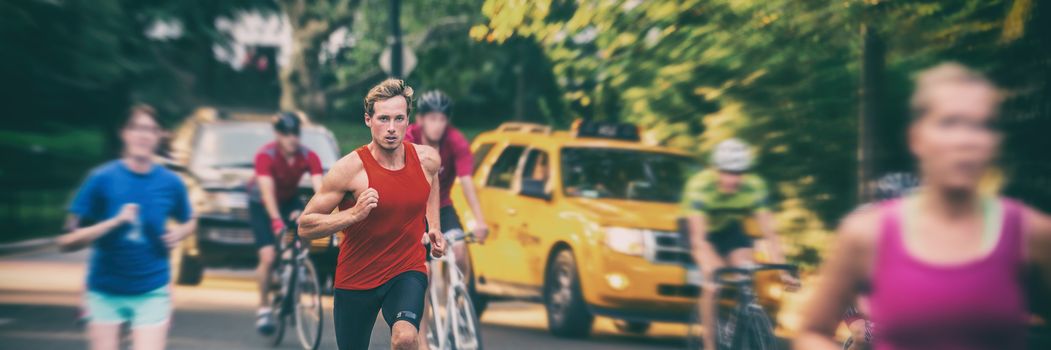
<point x="782" y="74"/>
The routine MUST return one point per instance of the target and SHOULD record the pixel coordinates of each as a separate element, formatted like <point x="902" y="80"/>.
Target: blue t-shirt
<point x="131" y="259"/>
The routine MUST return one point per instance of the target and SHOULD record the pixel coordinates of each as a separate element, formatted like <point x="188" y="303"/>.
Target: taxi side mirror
<point x="535" y="189"/>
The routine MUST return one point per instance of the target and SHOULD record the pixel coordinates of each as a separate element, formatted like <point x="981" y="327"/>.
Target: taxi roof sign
<point x="607" y="130"/>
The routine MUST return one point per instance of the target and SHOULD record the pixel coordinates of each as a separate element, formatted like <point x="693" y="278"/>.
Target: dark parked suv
<point x="214" y="153"/>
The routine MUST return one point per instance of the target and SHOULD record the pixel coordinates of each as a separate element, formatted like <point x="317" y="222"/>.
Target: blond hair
<point x="949" y="73"/>
<point x="388" y="89"/>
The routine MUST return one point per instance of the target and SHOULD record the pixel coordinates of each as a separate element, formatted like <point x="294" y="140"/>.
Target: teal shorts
<point x="148" y="309"/>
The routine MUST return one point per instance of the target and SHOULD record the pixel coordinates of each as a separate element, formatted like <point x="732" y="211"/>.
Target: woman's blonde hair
<point x="949" y="73"/>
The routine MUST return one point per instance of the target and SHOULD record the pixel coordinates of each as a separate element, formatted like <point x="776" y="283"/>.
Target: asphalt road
<point x="40" y="292"/>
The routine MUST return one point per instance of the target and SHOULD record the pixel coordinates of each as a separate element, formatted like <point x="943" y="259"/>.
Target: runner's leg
<point x="354" y="314"/>
<point x="104" y="336"/>
<point x="151" y="316"/>
<point x="403" y="308"/>
<point x="105" y="319"/>
<point x="151" y="337"/>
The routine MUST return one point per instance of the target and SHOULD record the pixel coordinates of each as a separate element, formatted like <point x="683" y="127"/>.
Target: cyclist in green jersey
<point x="716" y="204"/>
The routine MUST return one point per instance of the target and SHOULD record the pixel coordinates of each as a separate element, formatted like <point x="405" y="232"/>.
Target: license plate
<point x="693" y="277"/>
<point x="234" y="200"/>
<point x="231" y="236"/>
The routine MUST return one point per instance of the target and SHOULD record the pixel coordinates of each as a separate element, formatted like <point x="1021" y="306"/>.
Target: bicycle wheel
<point x="693" y="333"/>
<point x="308" y="310"/>
<point x="278" y="299"/>
<point x="466" y="329"/>
<point x="758" y="332"/>
<point x="433" y="334"/>
<point x="727" y="328"/>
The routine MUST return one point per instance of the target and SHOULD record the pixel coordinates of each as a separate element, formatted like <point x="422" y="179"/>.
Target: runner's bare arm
<point x="318" y="219"/>
<point x="81" y="237"/>
<point x="316" y="181"/>
<point x="431" y="163"/>
<point x="1039" y="254"/>
<point x="841" y="278"/>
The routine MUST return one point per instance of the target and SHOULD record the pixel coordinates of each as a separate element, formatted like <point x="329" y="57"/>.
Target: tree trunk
<point x="300" y="88"/>
<point x="872" y="56"/>
<point x="312" y="22"/>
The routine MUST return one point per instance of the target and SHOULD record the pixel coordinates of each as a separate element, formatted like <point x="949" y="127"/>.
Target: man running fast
<point x="275" y="203"/>
<point x="387" y="195"/>
<point x="433" y="128"/>
<point x="129" y="201"/>
<point x="716" y="204"/>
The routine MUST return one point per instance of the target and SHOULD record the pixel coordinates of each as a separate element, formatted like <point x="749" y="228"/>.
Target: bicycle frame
<point x="291" y="265"/>
<point x="445" y="322"/>
<point x="746" y="297"/>
<point x="288" y="286"/>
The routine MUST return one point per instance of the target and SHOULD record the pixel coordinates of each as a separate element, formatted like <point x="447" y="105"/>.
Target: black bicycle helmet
<point x="287" y="123"/>
<point x="434" y="101"/>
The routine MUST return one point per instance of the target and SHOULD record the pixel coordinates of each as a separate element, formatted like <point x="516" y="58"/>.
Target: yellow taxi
<point x="584" y="221"/>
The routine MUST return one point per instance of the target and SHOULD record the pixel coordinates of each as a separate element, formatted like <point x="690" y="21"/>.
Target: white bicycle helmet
<point x="732" y="155"/>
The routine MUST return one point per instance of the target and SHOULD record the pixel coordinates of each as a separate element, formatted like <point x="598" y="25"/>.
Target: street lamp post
<point x="395" y="40"/>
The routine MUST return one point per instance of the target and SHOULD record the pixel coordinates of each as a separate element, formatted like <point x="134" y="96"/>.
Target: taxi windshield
<point x="624" y="174"/>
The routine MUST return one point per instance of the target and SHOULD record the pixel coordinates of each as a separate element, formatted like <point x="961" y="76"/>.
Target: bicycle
<point x="849" y="343"/>
<point x="298" y="303"/>
<point x="746" y="325"/>
<point x="454" y="324"/>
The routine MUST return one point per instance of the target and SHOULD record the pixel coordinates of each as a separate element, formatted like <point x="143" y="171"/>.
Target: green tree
<point x="781" y="74"/>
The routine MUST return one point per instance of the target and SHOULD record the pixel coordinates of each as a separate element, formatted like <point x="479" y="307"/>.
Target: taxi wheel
<point x="567" y="313"/>
<point x="189" y="271"/>
<point x="632" y="327"/>
<point x="480" y="301"/>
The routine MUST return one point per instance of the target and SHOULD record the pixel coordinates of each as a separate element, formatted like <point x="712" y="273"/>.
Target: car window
<point x="235" y="145"/>
<point x="503" y="170"/>
<point x="624" y="174"/>
<point x="480" y="153"/>
<point x="537" y="166"/>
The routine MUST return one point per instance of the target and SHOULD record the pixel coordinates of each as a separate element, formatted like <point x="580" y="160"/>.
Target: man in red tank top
<point x="387" y="194"/>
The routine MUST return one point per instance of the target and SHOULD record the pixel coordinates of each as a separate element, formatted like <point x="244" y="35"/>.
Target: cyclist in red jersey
<point x="274" y="203"/>
<point x="432" y="128"/>
<point x="387" y="195"/>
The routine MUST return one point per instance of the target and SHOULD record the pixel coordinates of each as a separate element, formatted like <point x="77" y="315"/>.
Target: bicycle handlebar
<point x="721" y="274"/>
<point x="467" y="237"/>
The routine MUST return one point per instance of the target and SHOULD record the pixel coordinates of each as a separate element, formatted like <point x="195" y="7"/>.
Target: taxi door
<point x="499" y="259"/>
<point x="530" y="214"/>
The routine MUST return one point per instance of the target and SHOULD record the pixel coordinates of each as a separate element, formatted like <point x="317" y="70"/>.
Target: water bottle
<point x="135" y="233"/>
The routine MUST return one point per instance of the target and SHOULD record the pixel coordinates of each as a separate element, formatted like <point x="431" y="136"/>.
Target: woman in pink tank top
<point x="945" y="268"/>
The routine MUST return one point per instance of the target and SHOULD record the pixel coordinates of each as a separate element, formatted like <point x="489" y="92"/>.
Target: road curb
<point x="26" y="246"/>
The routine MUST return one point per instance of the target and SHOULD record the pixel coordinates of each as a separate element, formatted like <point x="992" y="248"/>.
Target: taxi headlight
<point x="624" y="240"/>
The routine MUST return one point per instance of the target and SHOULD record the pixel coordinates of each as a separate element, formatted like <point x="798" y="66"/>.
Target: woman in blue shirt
<point x="128" y="201"/>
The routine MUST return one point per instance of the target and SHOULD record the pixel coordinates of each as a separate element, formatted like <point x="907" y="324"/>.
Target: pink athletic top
<point x="975" y="305"/>
<point x="455" y="153"/>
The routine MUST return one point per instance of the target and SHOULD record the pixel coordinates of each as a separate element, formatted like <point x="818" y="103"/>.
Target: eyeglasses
<point x="143" y="128"/>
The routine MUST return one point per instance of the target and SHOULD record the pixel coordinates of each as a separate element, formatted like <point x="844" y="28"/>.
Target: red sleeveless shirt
<point x="387" y="242"/>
